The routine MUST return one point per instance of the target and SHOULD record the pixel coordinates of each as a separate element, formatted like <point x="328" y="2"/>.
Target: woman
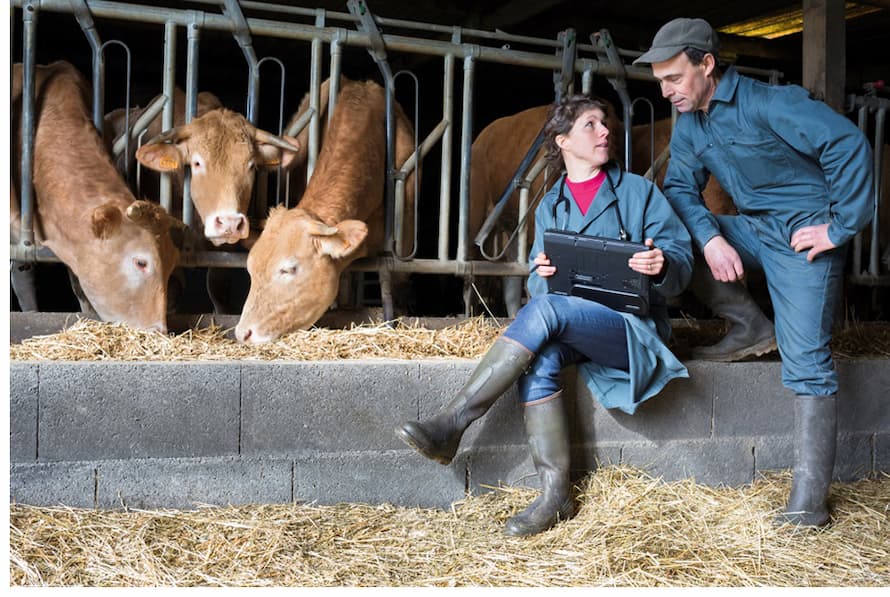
<point x="622" y="357"/>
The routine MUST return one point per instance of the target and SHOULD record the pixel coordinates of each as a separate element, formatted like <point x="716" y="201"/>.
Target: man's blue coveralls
<point x="788" y="161"/>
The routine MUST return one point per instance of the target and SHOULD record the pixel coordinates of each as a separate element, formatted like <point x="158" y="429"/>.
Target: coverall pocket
<point x="760" y="161"/>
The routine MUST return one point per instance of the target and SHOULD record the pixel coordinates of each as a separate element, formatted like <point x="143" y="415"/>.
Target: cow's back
<point x="350" y="174"/>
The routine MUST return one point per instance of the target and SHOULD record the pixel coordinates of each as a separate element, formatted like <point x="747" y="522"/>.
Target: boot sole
<point x="761" y="348"/>
<point x="412" y="442"/>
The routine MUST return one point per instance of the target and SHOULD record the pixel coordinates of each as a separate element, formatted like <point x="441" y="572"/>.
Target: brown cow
<point x="223" y="151"/>
<point x="116" y="120"/>
<point x="295" y="264"/>
<point x="120" y="249"/>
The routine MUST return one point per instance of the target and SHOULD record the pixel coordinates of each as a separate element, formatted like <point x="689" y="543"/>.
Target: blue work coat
<point x="644" y="213"/>
<point x="780" y="154"/>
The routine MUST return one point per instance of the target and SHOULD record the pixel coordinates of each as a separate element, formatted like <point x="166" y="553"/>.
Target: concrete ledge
<point x="183" y="434"/>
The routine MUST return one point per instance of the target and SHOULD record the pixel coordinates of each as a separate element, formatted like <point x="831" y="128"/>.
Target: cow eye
<point x="251" y="165"/>
<point x="141" y="264"/>
<point x="288" y="270"/>
<point x="197" y="165"/>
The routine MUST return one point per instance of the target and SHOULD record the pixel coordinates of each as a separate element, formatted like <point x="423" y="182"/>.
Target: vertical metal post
<point x="26" y="191"/>
<point x="232" y="9"/>
<point x="167" y="115"/>
<point x="85" y="19"/>
<point x="336" y="69"/>
<point x="466" y="142"/>
<point x="447" y="137"/>
<point x="862" y="122"/>
<point x="873" y="262"/>
<point x="314" y="97"/>
<point x="191" y="101"/>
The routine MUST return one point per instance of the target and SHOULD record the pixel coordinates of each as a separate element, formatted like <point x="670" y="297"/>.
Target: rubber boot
<point x="439" y="437"/>
<point x="548" y="438"/>
<point x="815" y="443"/>
<point x="751" y="333"/>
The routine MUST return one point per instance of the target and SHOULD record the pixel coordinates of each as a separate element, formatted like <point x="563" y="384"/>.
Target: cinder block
<point x="749" y="399"/>
<point x="882" y="453"/>
<point x="105" y="411"/>
<point x="773" y="452"/>
<point x="399" y="477"/>
<point x="497" y="467"/>
<point x="727" y="462"/>
<point x="853" y="460"/>
<point x="862" y="397"/>
<point x="681" y="410"/>
<point x="23" y="391"/>
<point x="189" y="483"/>
<point x="296" y="408"/>
<point x="53" y="484"/>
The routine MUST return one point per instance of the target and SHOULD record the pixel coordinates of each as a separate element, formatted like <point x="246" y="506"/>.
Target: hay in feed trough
<point x="90" y="340"/>
<point x="631" y="530"/>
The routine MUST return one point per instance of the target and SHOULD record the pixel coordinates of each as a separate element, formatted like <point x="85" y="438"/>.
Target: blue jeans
<point x="562" y="331"/>
<point x="804" y="296"/>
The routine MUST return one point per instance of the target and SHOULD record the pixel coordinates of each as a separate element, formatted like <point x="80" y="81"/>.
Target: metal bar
<point x="447" y="144"/>
<point x="397" y="43"/>
<point x="606" y="49"/>
<point x="466" y="141"/>
<point x="191" y="89"/>
<point x="241" y="33"/>
<point x="168" y="84"/>
<point x="85" y="20"/>
<point x="26" y="187"/>
<point x="874" y="267"/>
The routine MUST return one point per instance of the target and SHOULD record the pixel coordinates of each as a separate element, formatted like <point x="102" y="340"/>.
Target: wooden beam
<point x="824" y="50"/>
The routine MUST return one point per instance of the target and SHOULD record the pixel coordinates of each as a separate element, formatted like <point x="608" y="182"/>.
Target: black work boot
<point x="548" y="438"/>
<point x="438" y="438"/>
<point x="751" y="332"/>
<point x="815" y="443"/>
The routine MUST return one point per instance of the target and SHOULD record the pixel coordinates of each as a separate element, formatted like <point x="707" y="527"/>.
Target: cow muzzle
<point x="226" y="228"/>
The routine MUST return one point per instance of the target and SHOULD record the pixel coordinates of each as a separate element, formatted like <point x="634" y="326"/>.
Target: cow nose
<point x="243" y="335"/>
<point x="230" y="224"/>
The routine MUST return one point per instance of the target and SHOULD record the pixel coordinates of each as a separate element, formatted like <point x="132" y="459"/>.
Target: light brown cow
<point x="116" y="120"/>
<point x="223" y="151"/>
<point x="295" y="264"/>
<point x="120" y="249"/>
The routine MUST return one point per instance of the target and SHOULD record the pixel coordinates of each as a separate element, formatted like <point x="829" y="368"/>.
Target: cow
<point x="121" y="250"/>
<point x="496" y="154"/>
<point x="223" y="151"/>
<point x="296" y="262"/>
<point x="116" y="122"/>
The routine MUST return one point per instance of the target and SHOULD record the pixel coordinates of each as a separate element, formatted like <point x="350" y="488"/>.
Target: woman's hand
<point x="649" y="262"/>
<point x="543" y="267"/>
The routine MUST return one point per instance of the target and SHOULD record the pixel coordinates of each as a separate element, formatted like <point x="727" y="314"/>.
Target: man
<point x="801" y="178"/>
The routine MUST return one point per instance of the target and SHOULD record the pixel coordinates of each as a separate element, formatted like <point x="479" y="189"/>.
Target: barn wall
<point x="151" y="435"/>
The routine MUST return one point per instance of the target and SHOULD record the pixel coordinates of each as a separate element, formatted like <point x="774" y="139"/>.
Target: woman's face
<point x="588" y="139"/>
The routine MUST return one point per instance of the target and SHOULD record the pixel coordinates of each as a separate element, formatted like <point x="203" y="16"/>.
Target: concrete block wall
<point x="176" y="435"/>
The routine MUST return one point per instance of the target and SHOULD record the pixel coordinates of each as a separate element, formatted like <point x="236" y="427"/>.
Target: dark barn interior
<point x="499" y="90"/>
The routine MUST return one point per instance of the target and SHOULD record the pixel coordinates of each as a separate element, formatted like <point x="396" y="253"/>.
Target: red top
<point x="585" y="191"/>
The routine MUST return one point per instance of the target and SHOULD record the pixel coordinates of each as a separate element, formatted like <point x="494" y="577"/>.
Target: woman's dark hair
<point x="563" y="115"/>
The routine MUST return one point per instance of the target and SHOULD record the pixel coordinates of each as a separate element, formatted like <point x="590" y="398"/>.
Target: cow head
<point x="124" y="266"/>
<point x="223" y="151"/>
<point x="294" y="269"/>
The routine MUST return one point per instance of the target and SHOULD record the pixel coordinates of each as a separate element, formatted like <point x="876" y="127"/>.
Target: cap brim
<point x="659" y="54"/>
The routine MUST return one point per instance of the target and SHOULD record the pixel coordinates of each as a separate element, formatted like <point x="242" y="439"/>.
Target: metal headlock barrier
<point x="871" y="275"/>
<point x="564" y="56"/>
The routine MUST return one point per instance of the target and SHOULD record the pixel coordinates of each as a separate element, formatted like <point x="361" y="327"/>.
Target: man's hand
<point x="814" y="238"/>
<point x="724" y="261"/>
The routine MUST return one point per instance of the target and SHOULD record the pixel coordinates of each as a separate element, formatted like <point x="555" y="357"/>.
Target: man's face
<point x="685" y="85"/>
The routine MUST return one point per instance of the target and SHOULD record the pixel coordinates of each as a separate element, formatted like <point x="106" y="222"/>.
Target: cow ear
<point x="345" y="239"/>
<point x="272" y="156"/>
<point x="106" y="221"/>
<point x="162" y="157"/>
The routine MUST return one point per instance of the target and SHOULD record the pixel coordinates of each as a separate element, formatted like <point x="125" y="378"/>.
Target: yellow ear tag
<point x="168" y="163"/>
<point x="273" y="162"/>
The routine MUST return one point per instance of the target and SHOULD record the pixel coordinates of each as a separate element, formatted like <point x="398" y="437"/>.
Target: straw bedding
<point x="92" y="340"/>
<point x="631" y="530"/>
